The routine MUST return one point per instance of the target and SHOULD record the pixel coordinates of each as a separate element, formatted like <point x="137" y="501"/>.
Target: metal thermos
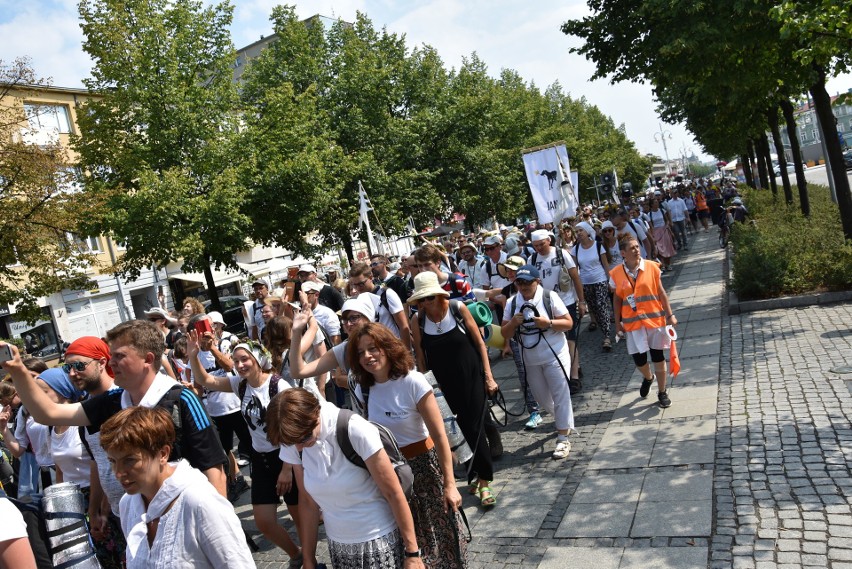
<point x="68" y="532"/>
<point x="458" y="444"/>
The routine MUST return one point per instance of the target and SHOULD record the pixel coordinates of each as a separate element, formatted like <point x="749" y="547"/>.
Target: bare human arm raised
<point x="298" y="367"/>
<point x="199" y="374"/>
<point x="40" y="406"/>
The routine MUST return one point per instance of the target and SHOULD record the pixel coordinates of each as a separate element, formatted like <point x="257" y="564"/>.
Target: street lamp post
<point x="663" y="134"/>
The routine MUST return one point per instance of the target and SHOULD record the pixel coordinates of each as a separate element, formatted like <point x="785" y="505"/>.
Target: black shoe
<point x="665" y="402"/>
<point x="575" y="386"/>
<point x="236" y="488"/>
<point x="593" y="326"/>
<point x="646" y="387"/>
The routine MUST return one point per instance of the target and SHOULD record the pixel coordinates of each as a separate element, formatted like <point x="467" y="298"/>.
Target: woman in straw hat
<point x="459" y="360"/>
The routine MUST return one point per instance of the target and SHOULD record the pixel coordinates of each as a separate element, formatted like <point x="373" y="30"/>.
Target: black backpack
<point x="400" y="465"/>
<point x="169" y="402"/>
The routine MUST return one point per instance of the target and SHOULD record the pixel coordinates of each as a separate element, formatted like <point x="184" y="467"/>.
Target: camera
<point x="529" y="311"/>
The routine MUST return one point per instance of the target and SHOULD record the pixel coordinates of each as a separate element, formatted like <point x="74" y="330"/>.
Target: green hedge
<point x="783" y="253"/>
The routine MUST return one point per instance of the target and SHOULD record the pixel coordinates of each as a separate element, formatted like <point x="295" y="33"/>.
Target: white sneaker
<point x="562" y="449"/>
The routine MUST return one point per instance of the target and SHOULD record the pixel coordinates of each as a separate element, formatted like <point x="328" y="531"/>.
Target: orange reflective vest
<point x="701" y="202"/>
<point x="649" y="309"/>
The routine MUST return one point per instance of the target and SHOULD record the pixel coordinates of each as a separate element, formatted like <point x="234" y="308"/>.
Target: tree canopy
<point x="40" y="207"/>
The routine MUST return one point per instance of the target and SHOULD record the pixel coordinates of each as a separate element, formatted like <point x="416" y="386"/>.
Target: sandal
<point x="473" y="489"/>
<point x="486" y="497"/>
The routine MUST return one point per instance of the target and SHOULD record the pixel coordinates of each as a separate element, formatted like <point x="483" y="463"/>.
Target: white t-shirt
<point x="639" y="234"/>
<point x="589" y="263"/>
<point x="657" y="218"/>
<point x="253" y="406"/>
<point x="537" y="352"/>
<point x="386" y="314"/>
<point x="327" y="319"/>
<point x="13" y="526"/>
<point x="70" y="456"/>
<point x="219" y="403"/>
<point x="549" y="268"/>
<point x="340" y="355"/>
<point x="35" y="434"/>
<point x="393" y="404"/>
<point x="615" y="254"/>
<point x="495" y="280"/>
<point x="353" y="507"/>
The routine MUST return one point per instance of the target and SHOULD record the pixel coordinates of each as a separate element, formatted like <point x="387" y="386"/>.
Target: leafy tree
<point x="158" y="145"/>
<point x="39" y="207"/>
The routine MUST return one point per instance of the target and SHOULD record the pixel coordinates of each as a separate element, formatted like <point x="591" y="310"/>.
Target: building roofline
<point x="48" y="88"/>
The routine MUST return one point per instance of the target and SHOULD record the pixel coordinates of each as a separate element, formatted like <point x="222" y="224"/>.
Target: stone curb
<point x="735" y="306"/>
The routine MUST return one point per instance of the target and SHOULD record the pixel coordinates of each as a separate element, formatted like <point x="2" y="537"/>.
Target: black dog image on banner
<point x="551" y="177"/>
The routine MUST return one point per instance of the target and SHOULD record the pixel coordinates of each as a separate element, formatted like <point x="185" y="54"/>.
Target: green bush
<point x="781" y="252"/>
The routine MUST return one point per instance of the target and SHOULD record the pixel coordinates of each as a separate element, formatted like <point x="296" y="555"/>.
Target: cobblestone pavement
<point x="750" y="467"/>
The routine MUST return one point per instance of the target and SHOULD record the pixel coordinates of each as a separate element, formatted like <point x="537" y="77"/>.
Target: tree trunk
<point x="211" y="288"/>
<point x="761" y="165"/>
<point x="767" y="161"/>
<point x="822" y="105"/>
<point x="796" y="150"/>
<point x="746" y="166"/>
<point x="752" y="163"/>
<point x="772" y="115"/>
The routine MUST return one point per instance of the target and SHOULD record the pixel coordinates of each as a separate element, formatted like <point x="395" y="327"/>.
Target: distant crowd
<point x="357" y="398"/>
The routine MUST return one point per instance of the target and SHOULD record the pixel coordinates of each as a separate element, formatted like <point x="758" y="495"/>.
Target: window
<point x="85" y="244"/>
<point x="49" y="118"/>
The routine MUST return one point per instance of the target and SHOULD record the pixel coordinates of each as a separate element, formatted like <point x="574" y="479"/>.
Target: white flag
<point x="547" y="170"/>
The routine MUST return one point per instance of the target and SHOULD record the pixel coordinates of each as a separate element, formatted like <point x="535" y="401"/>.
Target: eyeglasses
<point x="353" y="318"/>
<point x="490" y="247"/>
<point x="79" y="367"/>
<point x="608" y="230"/>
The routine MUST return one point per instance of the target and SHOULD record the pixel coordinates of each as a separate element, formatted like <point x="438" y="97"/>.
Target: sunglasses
<point x="428" y="298"/>
<point x="76" y="366"/>
<point x="376" y="264"/>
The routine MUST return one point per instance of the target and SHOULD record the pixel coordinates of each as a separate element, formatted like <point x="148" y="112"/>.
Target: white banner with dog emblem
<point x="551" y="183"/>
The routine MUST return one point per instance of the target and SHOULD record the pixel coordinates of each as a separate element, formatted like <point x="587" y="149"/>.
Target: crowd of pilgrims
<point x="143" y="420"/>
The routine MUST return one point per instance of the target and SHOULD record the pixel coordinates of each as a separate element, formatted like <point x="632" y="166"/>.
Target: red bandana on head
<point x="90" y="347"/>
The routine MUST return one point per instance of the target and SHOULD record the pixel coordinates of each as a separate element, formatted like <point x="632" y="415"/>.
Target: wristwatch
<point x="413" y="553"/>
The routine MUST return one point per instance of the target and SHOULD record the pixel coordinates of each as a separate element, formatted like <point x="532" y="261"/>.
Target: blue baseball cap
<point x="527" y="273"/>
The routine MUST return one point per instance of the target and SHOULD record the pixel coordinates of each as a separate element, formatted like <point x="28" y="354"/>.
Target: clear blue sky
<point x="516" y="34"/>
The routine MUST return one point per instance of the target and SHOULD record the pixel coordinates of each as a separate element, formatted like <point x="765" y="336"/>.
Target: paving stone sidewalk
<point x="749" y="467"/>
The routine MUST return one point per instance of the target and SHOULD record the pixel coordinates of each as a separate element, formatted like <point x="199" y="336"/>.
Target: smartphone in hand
<point x="5" y="353"/>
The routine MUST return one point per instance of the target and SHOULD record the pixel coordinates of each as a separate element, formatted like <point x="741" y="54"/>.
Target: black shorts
<point x="571" y="334"/>
<point x="265" y="468"/>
